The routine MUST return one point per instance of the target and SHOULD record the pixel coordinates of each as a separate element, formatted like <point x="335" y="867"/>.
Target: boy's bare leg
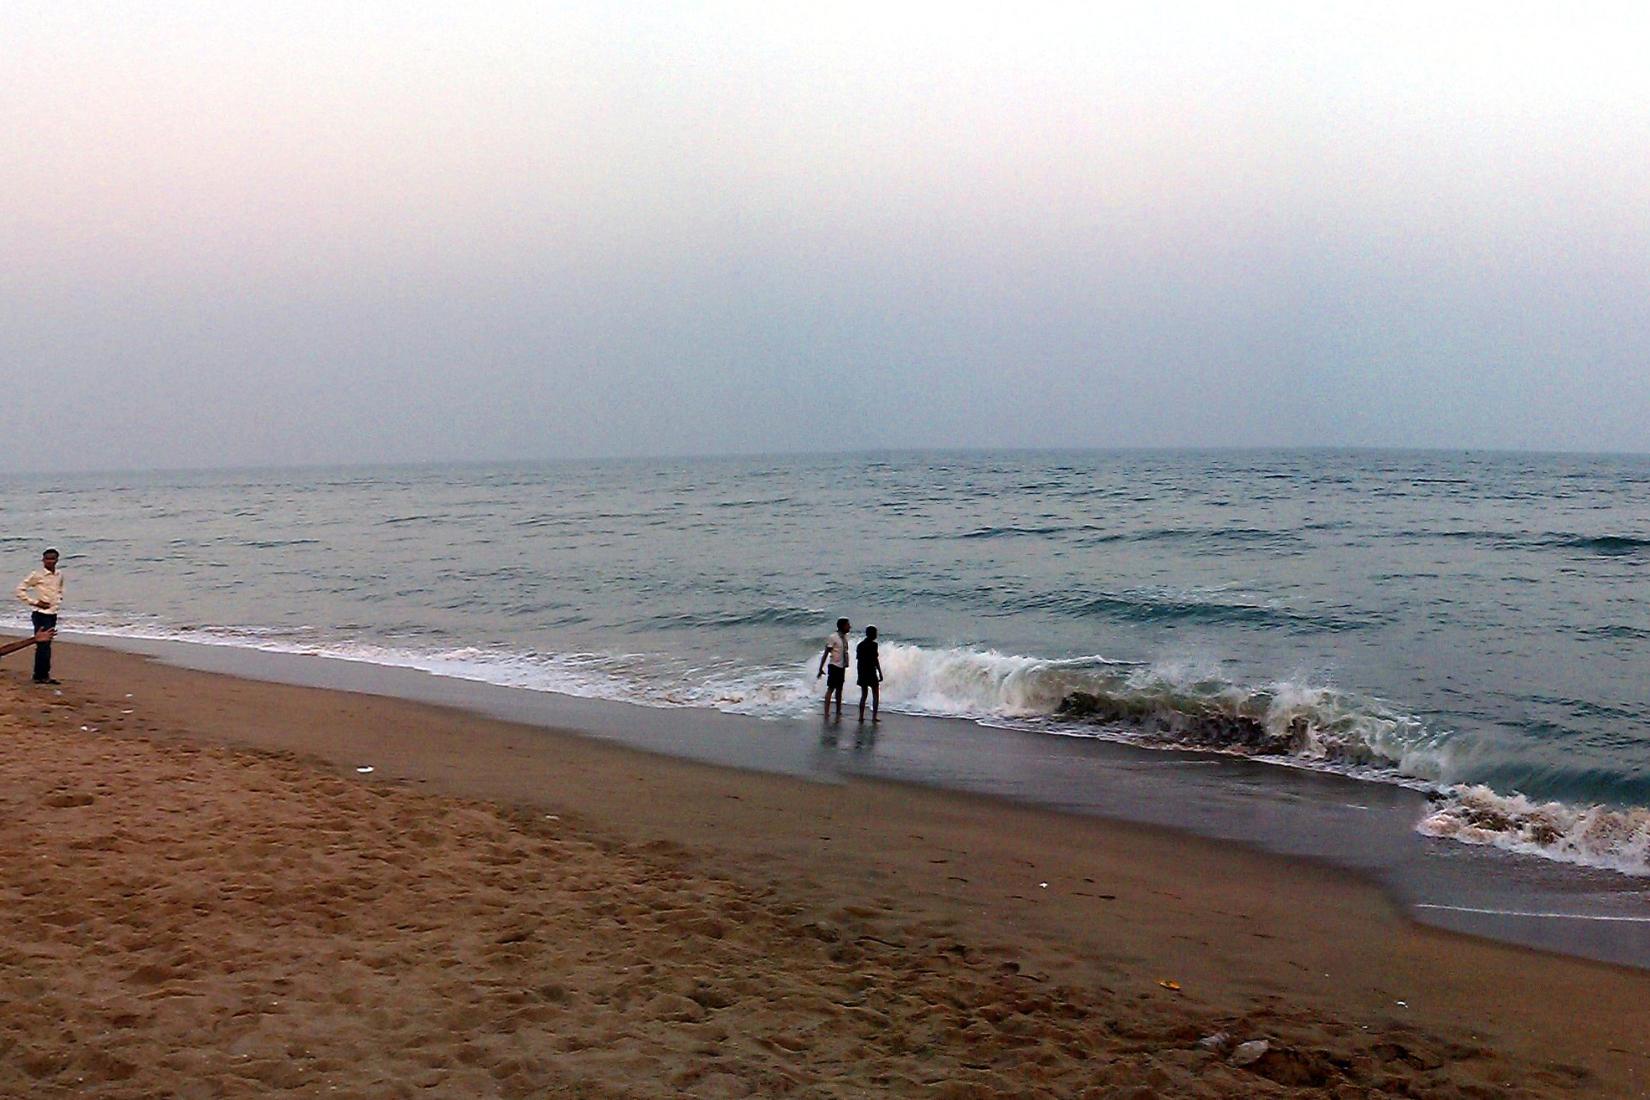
<point x="876" y="701"/>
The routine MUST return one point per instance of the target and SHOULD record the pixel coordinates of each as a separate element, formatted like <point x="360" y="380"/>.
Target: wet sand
<point x="205" y="897"/>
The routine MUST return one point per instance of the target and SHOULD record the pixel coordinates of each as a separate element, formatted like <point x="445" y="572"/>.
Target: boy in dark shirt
<point x="870" y="672"/>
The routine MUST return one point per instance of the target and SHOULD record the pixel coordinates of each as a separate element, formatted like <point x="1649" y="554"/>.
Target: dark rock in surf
<point x="1193" y="724"/>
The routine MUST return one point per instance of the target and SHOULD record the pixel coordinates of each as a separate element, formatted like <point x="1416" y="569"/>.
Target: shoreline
<point x="1313" y="958"/>
<point x="1340" y="822"/>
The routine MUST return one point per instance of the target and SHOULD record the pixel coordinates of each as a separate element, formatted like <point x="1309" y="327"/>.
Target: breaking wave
<point x="1593" y="836"/>
<point x="1165" y="705"/>
<point x="1298" y="724"/>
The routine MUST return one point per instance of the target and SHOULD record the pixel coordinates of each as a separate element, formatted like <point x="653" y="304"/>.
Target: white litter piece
<point x="364" y="769"/>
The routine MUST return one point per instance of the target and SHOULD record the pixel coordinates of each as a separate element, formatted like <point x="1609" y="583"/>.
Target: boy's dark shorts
<point x="834" y="676"/>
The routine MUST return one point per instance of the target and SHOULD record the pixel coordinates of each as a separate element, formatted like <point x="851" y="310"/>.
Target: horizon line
<point x="712" y="456"/>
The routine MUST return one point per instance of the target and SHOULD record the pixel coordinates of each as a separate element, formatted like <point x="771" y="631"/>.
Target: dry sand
<point x="203" y="897"/>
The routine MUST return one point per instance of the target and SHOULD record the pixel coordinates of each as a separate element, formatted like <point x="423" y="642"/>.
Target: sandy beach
<point x="206" y="896"/>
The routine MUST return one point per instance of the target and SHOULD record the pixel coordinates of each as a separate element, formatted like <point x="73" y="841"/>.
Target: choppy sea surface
<point x="1473" y="624"/>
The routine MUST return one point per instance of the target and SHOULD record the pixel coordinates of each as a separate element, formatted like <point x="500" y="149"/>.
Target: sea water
<point x="1476" y="625"/>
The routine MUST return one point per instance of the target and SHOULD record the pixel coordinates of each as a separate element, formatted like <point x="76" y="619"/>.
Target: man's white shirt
<point x="41" y="585"/>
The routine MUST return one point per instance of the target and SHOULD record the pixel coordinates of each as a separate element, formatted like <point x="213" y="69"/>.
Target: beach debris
<point x="552" y="817"/>
<point x="824" y="931"/>
<point x="365" y="769"/>
<point x="1169" y="984"/>
<point x="1219" y="1042"/>
<point x="1401" y="1004"/>
<point x="1044" y="885"/>
<point x="1249" y="1053"/>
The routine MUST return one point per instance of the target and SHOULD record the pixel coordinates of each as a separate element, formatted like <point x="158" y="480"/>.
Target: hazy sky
<point x="273" y="233"/>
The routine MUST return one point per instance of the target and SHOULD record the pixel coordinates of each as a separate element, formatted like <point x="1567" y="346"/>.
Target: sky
<point x="268" y="234"/>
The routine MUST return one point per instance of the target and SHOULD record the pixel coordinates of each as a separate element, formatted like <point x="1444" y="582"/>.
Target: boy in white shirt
<point x="835" y="660"/>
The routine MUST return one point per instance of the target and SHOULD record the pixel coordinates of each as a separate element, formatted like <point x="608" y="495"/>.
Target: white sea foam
<point x="1536" y="914"/>
<point x="621" y="677"/>
<point x="971" y="683"/>
<point x="1593" y="836"/>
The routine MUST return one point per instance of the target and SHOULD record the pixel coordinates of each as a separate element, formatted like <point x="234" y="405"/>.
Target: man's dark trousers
<point x="43" y="651"/>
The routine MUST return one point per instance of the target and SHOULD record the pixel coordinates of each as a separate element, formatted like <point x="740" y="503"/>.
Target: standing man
<point x="870" y="672"/>
<point x="42" y="590"/>
<point x="835" y="659"/>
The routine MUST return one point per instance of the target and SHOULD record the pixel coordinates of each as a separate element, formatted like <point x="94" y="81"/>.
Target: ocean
<point x="1472" y="626"/>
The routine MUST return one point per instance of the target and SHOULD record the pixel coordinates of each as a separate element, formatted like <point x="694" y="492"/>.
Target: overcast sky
<point x="274" y="233"/>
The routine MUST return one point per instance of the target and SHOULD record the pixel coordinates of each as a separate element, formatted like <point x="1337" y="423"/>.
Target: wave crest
<point x="1605" y="545"/>
<point x="1593" y="836"/>
<point x="1185" y="707"/>
<point x="1169" y="706"/>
